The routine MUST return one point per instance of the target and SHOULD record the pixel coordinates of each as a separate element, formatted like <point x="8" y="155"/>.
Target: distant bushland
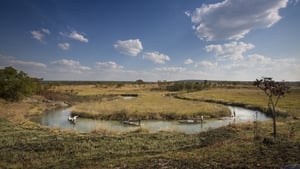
<point x="188" y="86"/>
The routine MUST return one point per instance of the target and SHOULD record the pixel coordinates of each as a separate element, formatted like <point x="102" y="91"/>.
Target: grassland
<point x="24" y="144"/>
<point x="94" y="90"/>
<point x="249" y="97"/>
<point x="152" y="104"/>
<point x="149" y="105"/>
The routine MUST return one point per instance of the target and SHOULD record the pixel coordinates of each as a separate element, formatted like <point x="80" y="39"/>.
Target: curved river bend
<point x="59" y="118"/>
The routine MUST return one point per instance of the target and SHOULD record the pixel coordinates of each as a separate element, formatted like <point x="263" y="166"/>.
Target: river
<point x="59" y="119"/>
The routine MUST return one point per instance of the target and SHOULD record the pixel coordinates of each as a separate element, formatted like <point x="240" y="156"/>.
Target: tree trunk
<point x="274" y="125"/>
<point x="271" y="108"/>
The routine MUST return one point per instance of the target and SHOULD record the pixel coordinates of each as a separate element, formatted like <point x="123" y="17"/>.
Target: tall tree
<point x="274" y="91"/>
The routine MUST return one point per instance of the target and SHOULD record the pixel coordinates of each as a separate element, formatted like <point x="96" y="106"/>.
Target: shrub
<point x="16" y="84"/>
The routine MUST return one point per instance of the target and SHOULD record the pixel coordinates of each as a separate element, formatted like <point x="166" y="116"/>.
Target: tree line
<point x="188" y="86"/>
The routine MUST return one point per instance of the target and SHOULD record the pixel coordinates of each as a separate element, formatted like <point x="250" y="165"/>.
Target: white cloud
<point x="34" y="69"/>
<point x="46" y="31"/>
<point x="70" y="63"/>
<point x="156" y="57"/>
<point x="187" y="13"/>
<point x="252" y="61"/>
<point x="206" y="64"/>
<point x="64" y="46"/>
<point x="232" y="50"/>
<point x="110" y="65"/>
<point x="259" y="59"/>
<point x="12" y="61"/>
<point x="110" y="70"/>
<point x="27" y="63"/>
<point x="131" y="47"/>
<point x="40" y="34"/>
<point x="75" y="36"/>
<point x="37" y="35"/>
<point x="170" y="69"/>
<point x="233" y="19"/>
<point x="188" y="61"/>
<point x="235" y="66"/>
<point x="255" y="65"/>
<point x="65" y="65"/>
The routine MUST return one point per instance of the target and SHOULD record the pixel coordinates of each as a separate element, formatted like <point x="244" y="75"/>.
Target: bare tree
<point x="274" y="91"/>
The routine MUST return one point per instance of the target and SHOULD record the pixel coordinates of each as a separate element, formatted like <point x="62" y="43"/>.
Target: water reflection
<point x="59" y="118"/>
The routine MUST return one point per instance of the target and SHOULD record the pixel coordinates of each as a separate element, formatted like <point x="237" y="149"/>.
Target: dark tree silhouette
<point x="274" y="91"/>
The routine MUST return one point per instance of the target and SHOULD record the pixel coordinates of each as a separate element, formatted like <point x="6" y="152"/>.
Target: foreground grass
<point x="30" y="146"/>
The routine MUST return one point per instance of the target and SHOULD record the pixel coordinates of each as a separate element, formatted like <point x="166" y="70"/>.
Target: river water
<point x="59" y="119"/>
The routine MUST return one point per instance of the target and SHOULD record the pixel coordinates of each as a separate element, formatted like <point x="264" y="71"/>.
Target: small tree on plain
<point x="274" y="91"/>
<point x="139" y="82"/>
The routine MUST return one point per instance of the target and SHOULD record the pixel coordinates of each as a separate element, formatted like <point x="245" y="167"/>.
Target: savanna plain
<point x="26" y="144"/>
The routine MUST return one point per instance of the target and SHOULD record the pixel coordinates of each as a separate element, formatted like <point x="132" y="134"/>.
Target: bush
<point x="14" y="85"/>
<point x="188" y="86"/>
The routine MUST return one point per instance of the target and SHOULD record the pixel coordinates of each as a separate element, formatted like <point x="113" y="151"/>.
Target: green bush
<point x="16" y="84"/>
<point x="188" y="86"/>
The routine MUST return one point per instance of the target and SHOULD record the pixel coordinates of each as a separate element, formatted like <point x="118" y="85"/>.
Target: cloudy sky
<point x="151" y="39"/>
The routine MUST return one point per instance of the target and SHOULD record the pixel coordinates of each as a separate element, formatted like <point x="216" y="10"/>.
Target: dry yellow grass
<point x="252" y="96"/>
<point x="90" y="90"/>
<point x="151" y="105"/>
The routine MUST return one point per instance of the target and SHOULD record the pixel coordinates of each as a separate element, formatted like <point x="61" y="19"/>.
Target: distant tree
<point x="139" y="82"/>
<point x="274" y="91"/>
<point x="14" y="85"/>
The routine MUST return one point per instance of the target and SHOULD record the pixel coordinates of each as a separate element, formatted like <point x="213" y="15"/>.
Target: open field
<point x="288" y="105"/>
<point x="103" y="89"/>
<point x="152" y="104"/>
<point x="25" y="144"/>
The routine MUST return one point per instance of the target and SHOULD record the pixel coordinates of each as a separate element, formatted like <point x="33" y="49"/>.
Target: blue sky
<point x="151" y="40"/>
